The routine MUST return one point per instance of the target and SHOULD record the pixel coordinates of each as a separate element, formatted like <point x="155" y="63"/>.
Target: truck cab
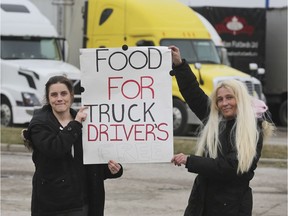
<point x="113" y="23"/>
<point x="31" y="52"/>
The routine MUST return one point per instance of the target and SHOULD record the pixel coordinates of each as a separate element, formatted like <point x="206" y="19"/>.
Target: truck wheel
<point x="180" y="118"/>
<point x="6" y="113"/>
<point x="283" y="114"/>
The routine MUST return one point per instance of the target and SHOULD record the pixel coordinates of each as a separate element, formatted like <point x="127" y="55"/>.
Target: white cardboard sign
<point x="128" y="93"/>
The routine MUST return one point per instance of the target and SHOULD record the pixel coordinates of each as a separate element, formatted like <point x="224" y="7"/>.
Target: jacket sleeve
<point x="222" y="168"/>
<point x="54" y="143"/>
<point x="109" y="175"/>
<point x="190" y="90"/>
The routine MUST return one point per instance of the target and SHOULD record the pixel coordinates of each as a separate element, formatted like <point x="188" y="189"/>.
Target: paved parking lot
<point x="143" y="190"/>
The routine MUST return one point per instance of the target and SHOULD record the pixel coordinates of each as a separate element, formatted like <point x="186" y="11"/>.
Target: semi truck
<point x="223" y="54"/>
<point x="114" y="23"/>
<point x="275" y="82"/>
<point x="261" y="39"/>
<point x="31" y="52"/>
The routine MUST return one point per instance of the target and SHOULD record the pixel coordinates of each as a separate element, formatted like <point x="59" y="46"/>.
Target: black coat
<point x="217" y="189"/>
<point x="61" y="183"/>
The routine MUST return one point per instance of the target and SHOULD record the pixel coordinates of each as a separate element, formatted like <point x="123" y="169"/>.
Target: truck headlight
<point x="30" y="99"/>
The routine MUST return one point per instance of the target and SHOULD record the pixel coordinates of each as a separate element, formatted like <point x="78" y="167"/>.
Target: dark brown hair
<point x="25" y="133"/>
<point x="58" y="79"/>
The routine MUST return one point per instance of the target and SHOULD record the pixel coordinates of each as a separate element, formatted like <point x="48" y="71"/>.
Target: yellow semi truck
<point x="113" y="23"/>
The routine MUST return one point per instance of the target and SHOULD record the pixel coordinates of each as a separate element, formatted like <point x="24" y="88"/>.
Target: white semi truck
<point x="31" y="52"/>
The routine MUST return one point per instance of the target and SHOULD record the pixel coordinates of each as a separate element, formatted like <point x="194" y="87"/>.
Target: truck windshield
<point x="201" y="51"/>
<point x="30" y="48"/>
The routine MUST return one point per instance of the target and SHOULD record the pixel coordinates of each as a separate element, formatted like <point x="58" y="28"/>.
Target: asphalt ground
<point x="144" y="189"/>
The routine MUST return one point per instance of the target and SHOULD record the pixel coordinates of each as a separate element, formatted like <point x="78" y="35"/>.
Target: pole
<point x="267" y="4"/>
<point x="61" y="15"/>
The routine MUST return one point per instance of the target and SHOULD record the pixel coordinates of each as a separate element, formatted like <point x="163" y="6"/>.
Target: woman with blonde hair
<point x="229" y="146"/>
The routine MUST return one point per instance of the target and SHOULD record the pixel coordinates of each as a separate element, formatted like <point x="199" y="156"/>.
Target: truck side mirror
<point x="224" y="56"/>
<point x="198" y="66"/>
<point x="66" y="50"/>
<point x="64" y="46"/>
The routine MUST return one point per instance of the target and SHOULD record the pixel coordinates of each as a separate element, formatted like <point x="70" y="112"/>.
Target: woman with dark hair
<point x="62" y="184"/>
<point x="229" y="146"/>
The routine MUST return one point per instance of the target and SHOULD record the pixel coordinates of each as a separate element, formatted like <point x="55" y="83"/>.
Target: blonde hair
<point x="246" y="133"/>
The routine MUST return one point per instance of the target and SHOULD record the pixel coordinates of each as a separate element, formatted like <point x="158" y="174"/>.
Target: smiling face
<point x="59" y="98"/>
<point x="226" y="102"/>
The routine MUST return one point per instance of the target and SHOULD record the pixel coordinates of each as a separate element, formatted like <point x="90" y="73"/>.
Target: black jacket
<point x="218" y="189"/>
<point x="61" y="183"/>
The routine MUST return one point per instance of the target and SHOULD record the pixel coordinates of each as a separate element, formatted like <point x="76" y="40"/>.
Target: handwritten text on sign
<point x="129" y="100"/>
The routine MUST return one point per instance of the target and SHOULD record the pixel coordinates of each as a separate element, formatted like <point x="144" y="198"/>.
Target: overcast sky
<point x="236" y="3"/>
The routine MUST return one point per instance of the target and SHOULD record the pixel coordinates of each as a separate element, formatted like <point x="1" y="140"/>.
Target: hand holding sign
<point x="113" y="166"/>
<point x="81" y="115"/>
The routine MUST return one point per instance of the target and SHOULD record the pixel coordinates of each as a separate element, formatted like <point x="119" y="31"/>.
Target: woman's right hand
<point x="81" y="115"/>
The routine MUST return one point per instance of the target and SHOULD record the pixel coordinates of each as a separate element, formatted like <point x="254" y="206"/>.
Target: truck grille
<point x="248" y="83"/>
<point x="258" y="90"/>
<point x="77" y="91"/>
<point x="254" y="87"/>
<point x="250" y="86"/>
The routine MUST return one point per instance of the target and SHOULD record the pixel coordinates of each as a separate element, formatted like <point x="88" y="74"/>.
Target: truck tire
<point x="6" y="113"/>
<point x="283" y="114"/>
<point x="180" y="118"/>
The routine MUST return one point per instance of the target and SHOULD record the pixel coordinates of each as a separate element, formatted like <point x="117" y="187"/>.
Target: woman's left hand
<point x="113" y="166"/>
<point x="179" y="159"/>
